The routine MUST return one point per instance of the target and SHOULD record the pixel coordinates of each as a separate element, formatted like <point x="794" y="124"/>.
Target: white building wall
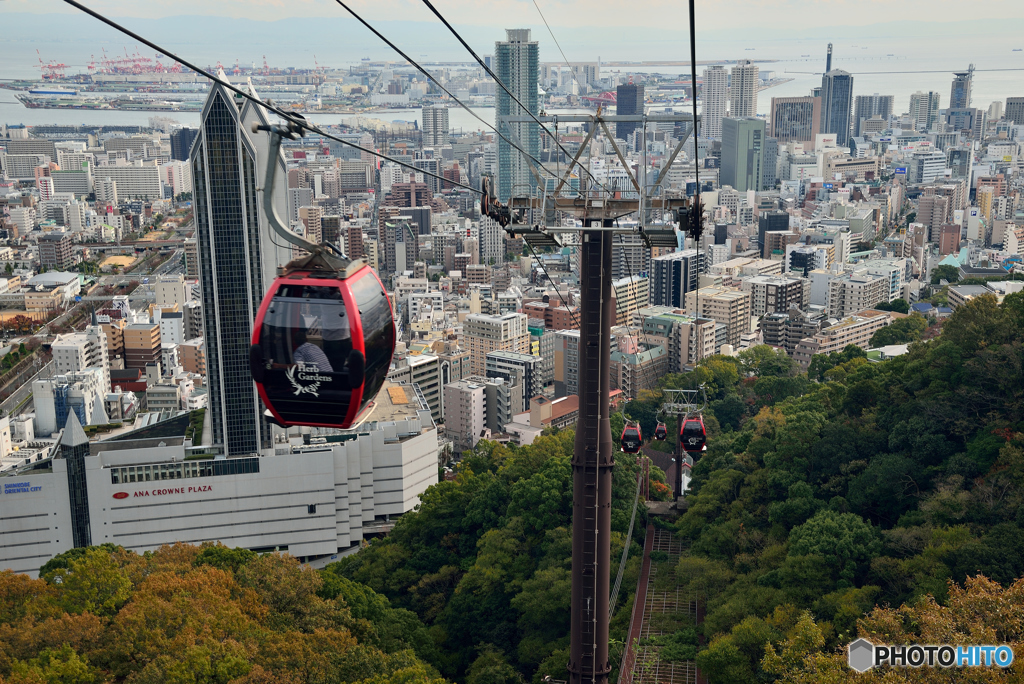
<point x="33" y="528"/>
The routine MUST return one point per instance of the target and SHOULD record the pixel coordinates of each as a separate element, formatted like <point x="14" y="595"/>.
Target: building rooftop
<point x="397" y="401"/>
<point x="52" y="279"/>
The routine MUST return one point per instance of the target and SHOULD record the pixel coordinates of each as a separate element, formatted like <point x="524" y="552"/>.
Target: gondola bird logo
<point x="299" y="387"/>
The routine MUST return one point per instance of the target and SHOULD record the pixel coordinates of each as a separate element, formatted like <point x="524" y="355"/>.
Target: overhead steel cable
<point x="287" y="116"/>
<point x="446" y="91"/>
<point x="557" y="45"/>
<point x="515" y="99"/>
<point x="565" y="302"/>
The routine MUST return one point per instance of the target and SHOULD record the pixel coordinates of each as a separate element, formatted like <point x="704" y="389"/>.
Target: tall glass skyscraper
<point x="237" y="261"/>
<point x="743" y="153"/>
<point x="836" y="105"/>
<point x="629" y="99"/>
<point x="517" y="59"/>
<point x="960" y="91"/>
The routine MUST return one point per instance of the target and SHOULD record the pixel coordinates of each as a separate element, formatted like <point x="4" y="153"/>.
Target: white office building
<point x="134" y="181"/>
<point x="713" y="95"/>
<point x="314" y="500"/>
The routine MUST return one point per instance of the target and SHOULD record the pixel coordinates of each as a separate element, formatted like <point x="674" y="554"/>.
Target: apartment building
<point x="631" y="294"/>
<point x="776" y="294"/>
<point x="728" y="307"/>
<point x="852" y="292"/>
<point x="484" y="334"/>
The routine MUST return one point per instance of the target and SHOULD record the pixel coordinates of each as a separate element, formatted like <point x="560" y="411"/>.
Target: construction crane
<point x="50" y="70"/>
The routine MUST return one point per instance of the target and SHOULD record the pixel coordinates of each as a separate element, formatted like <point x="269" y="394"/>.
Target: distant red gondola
<point x="631" y="439"/>
<point x="661" y="432"/>
<point x="692" y="435"/>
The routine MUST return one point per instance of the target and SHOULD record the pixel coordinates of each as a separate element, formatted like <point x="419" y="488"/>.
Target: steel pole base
<point x="592" y="464"/>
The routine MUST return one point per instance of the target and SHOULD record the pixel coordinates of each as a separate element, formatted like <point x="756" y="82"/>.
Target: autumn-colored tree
<point x="978" y="612"/>
<point x="195" y="615"/>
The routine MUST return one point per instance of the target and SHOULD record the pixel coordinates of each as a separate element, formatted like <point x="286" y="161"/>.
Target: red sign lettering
<point x="170" y="491"/>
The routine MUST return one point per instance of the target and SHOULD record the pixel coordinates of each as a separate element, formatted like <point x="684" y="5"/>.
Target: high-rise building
<point x="181" y="142"/>
<point x="566" y="369"/>
<point x="517" y="59"/>
<point x="723" y="305"/>
<point x="960" y="90"/>
<point x="631" y="294"/>
<point x="836" y="102"/>
<point x="770" y="157"/>
<point x="713" y="99"/>
<point x="1015" y="110"/>
<point x="485" y="334"/>
<point x="675" y="274"/>
<point x="435" y="126"/>
<point x="629" y="100"/>
<point x="868" y="106"/>
<point x="795" y="118"/>
<point x="106" y="191"/>
<point x="924" y="109"/>
<point x="74" y="447"/>
<point x="78" y="351"/>
<point x="630" y="256"/>
<point x="742" y="153"/>
<point x="517" y="369"/>
<point x="55" y="251"/>
<point x="237" y="260"/>
<point x="465" y="408"/>
<point x="743" y="89"/>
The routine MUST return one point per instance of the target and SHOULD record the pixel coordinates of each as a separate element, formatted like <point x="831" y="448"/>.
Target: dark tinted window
<point x="306" y="344"/>
<point x="309" y="325"/>
<point x="378" y="332"/>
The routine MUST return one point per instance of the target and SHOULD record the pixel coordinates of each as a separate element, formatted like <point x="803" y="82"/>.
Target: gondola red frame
<point x="358" y="401"/>
<point x="661" y="432"/>
<point x="639" y="438"/>
<point x="699" y="420"/>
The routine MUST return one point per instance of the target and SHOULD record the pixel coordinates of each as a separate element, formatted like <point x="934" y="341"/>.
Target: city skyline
<point x="795" y="14"/>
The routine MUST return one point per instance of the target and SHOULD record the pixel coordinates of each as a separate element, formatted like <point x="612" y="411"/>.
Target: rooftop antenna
<point x="828" y="59"/>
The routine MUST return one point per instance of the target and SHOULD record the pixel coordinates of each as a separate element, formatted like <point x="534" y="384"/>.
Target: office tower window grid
<point x="517" y="63"/>
<point x="230" y="301"/>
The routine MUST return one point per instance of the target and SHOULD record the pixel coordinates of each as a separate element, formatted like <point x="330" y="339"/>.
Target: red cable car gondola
<point x="692" y="435"/>
<point x="661" y="432"/>
<point x="325" y="333"/>
<point x="631" y="439"/>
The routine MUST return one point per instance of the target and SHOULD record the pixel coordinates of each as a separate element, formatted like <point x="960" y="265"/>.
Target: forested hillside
<point x="201" y="615"/>
<point x="486" y="560"/>
<point x="821" y="496"/>
<point x="878" y="485"/>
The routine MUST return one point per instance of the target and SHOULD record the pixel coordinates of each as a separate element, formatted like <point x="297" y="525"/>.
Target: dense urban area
<point x="849" y="322"/>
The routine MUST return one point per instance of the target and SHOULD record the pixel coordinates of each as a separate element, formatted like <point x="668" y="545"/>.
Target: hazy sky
<point x="712" y="14"/>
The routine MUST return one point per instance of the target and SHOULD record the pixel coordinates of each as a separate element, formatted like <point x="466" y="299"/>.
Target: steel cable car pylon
<point x="592" y="460"/>
<point x="325" y="333"/>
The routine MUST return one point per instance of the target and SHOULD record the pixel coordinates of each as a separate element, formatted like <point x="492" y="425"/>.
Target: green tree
<point x="900" y="331"/>
<point x="225" y="558"/>
<point x="897" y="305"/>
<point x="844" y="540"/>
<point x="950" y="274"/>
<point x="764" y="360"/>
<point x="492" y="668"/>
<point x="93" y="583"/>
